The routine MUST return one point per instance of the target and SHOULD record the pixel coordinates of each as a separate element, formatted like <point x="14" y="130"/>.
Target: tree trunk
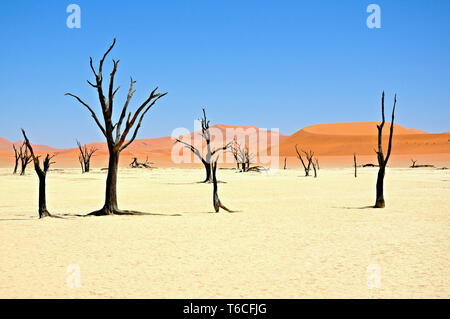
<point x="16" y="165"/>
<point x="380" y="195"/>
<point x="86" y="167"/>
<point x="43" y="212"/>
<point x="110" y="207"/>
<point x="354" y="161"/>
<point x="111" y="183"/>
<point x="208" y="178"/>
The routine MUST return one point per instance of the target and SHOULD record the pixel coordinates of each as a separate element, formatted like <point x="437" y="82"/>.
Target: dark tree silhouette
<point x="206" y="160"/>
<point x="413" y="163"/>
<point x="85" y="156"/>
<point x="382" y="161"/>
<point x="136" y="164"/>
<point x="115" y="138"/>
<point x="354" y="162"/>
<point x="25" y="158"/>
<point x="42" y="174"/>
<point x="16" y="158"/>
<point x="284" y="163"/>
<point x="309" y="157"/>
<point x="216" y="201"/>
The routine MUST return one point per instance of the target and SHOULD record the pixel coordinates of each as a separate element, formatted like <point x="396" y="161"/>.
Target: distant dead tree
<point x="309" y="157"/>
<point x="85" y="156"/>
<point x="16" y="158"/>
<point x="136" y="164"/>
<point x="245" y="158"/>
<point x="234" y="149"/>
<point x="216" y="201"/>
<point x="284" y="163"/>
<point x="115" y="138"/>
<point x="354" y="162"/>
<point x="414" y="165"/>
<point x="41" y="173"/>
<point x="25" y="158"/>
<point x="382" y="161"/>
<point x="206" y="160"/>
<point x="314" y="168"/>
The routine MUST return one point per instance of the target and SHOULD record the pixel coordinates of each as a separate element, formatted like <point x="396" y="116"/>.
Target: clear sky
<point x="272" y="64"/>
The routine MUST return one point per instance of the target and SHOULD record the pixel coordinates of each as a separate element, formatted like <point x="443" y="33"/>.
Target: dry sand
<point x="295" y="237"/>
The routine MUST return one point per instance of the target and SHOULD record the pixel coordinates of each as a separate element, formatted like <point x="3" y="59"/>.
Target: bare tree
<point x="206" y="160"/>
<point x="85" y="156"/>
<point x="136" y="164"/>
<point x="16" y="158"/>
<point x="354" y="162"/>
<point x="309" y="157"/>
<point x="382" y="161"/>
<point x="284" y="163"/>
<point x="216" y="201"/>
<point x="413" y="163"/>
<point x="42" y="174"/>
<point x="115" y="138"/>
<point x="25" y="158"/>
<point x="234" y="149"/>
<point x="314" y="168"/>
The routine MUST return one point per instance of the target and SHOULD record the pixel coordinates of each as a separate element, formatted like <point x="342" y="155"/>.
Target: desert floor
<point x="293" y="237"/>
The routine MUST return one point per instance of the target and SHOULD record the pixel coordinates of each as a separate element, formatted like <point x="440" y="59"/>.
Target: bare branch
<point x="90" y="110"/>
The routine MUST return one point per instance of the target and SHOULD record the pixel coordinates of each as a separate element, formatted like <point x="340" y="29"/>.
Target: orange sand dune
<point x="358" y="128"/>
<point x="333" y="143"/>
<point x="336" y="142"/>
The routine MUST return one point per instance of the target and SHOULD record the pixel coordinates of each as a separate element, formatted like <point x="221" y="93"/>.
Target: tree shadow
<point x="359" y="207"/>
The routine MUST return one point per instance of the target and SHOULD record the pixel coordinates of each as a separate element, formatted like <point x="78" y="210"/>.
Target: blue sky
<point x="273" y="64"/>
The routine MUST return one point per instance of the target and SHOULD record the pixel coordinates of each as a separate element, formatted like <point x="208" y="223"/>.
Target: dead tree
<point x="314" y="168"/>
<point x="354" y="162"/>
<point x="16" y="158"/>
<point x="25" y="158"/>
<point x="115" y="138"/>
<point x="284" y="163"/>
<point x="85" y="156"/>
<point x="234" y="149"/>
<point x="382" y="161"/>
<point x="206" y="160"/>
<point x="136" y="164"/>
<point x="216" y="201"/>
<point x="413" y="163"/>
<point x="41" y="173"/>
<point x="309" y="156"/>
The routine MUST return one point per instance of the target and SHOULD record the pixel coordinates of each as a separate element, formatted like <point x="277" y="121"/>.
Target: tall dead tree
<point x="85" y="156"/>
<point x="42" y="174"/>
<point x="206" y="159"/>
<point x="25" y="158"/>
<point x="382" y="161"/>
<point x="309" y="157"/>
<point x="16" y="159"/>
<point x="115" y="138"/>
<point x="216" y="201"/>
<point x="354" y="162"/>
<point x="284" y="163"/>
